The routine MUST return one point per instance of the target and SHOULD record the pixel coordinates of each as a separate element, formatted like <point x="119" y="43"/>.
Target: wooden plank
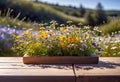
<point x="36" y="79"/>
<point x="106" y="66"/>
<point x="60" y="60"/>
<point x="45" y="74"/>
<point x="11" y="59"/>
<point x="36" y="72"/>
<point x="98" y="79"/>
<point x="108" y="69"/>
<point x="12" y="69"/>
<point x="34" y="66"/>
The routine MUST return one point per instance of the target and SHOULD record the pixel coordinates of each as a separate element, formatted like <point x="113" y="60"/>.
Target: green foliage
<point x="111" y="49"/>
<point x="6" y="20"/>
<point x="110" y="45"/>
<point x="99" y="15"/>
<point x="67" y="10"/>
<point x="61" y="41"/>
<point x="35" y="11"/>
<point x="5" y="48"/>
<point x="112" y="26"/>
<point x="89" y="19"/>
<point x="113" y="13"/>
<point x="82" y="11"/>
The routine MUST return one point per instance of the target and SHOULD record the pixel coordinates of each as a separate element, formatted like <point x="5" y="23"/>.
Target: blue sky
<point x="108" y="4"/>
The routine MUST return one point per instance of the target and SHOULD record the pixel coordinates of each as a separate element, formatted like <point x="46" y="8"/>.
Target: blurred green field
<point x="17" y="15"/>
<point x="112" y="26"/>
<point x="33" y="11"/>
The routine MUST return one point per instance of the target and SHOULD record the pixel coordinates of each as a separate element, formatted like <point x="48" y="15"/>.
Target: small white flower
<point x="72" y="44"/>
<point x="26" y="55"/>
<point x="49" y="46"/>
<point x="118" y="53"/>
<point x="106" y="46"/>
<point x="81" y="49"/>
<point x="113" y="48"/>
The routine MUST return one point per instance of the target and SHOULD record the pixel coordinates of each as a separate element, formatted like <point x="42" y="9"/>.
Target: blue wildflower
<point x="94" y="44"/>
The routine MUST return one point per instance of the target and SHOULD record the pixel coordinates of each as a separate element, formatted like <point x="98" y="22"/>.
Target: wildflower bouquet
<point x="64" y="44"/>
<point x="59" y="41"/>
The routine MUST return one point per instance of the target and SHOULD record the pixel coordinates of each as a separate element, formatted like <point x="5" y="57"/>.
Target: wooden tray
<point x="60" y="60"/>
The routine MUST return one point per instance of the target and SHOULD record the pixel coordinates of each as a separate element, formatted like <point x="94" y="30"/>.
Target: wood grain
<point x="61" y="60"/>
<point x="12" y="69"/>
<point x="108" y="69"/>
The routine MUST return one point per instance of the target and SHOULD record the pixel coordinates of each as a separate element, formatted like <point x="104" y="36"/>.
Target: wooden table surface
<point x="12" y="69"/>
<point x="108" y="69"/>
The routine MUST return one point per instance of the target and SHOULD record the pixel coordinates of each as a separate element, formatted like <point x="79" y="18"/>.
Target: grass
<point x="39" y="12"/>
<point x="112" y="26"/>
<point x="7" y="20"/>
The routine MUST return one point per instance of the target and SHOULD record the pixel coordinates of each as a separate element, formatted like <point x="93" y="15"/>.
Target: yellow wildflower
<point x="18" y="37"/>
<point x="64" y="29"/>
<point x="35" y="45"/>
<point x="62" y="44"/>
<point x="62" y="37"/>
<point x="44" y="35"/>
<point x="73" y="39"/>
<point x="28" y="33"/>
<point x="78" y="38"/>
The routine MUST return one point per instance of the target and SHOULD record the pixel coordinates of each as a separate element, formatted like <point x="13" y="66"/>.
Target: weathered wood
<point x="61" y="60"/>
<point x="36" y="79"/>
<point x="108" y="69"/>
<point x="98" y="79"/>
<point x="37" y="72"/>
<point x="13" y="70"/>
<point x="11" y="59"/>
<point x="33" y="66"/>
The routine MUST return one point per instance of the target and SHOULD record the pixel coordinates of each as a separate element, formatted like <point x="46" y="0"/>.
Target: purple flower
<point x="94" y="44"/>
<point x="99" y="49"/>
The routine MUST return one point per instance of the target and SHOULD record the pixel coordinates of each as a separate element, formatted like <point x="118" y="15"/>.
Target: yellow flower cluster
<point x="42" y="34"/>
<point x="68" y="39"/>
<point x="73" y="39"/>
<point x="29" y="33"/>
<point x="36" y="44"/>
